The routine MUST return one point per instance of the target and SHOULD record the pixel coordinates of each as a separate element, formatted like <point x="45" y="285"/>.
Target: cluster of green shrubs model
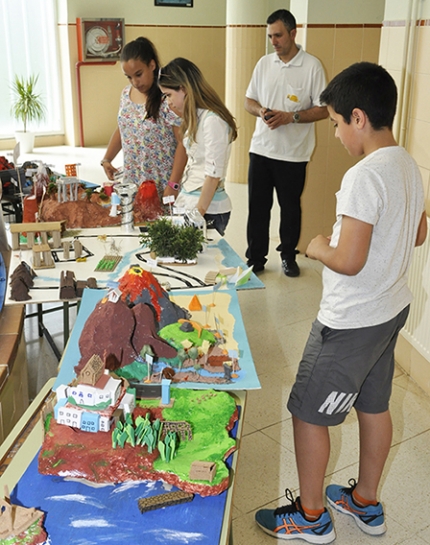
<point x="165" y="239"/>
<point x="144" y="432"/>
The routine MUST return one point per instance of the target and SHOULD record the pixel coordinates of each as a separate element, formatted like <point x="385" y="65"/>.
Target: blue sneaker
<point x="289" y="522"/>
<point x="370" y="519"/>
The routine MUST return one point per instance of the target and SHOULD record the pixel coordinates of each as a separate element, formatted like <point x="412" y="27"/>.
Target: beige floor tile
<point x="267" y="406"/>
<point x="246" y="532"/>
<point x="348" y="533"/>
<point x="264" y="471"/>
<point x="405" y="483"/>
<point x="424" y="535"/>
<point x="410" y="409"/>
<point x="343" y="439"/>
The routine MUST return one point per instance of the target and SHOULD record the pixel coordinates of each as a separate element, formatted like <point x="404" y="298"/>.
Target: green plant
<point x="165" y="239"/>
<point x="27" y="105"/>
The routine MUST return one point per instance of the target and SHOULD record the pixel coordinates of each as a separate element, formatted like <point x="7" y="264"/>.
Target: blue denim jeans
<point x="217" y="221"/>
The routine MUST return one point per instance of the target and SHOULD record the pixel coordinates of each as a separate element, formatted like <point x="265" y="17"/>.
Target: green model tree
<point x="165" y="239"/>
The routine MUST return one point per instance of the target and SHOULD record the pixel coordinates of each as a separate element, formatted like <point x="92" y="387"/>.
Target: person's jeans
<point x="217" y="221"/>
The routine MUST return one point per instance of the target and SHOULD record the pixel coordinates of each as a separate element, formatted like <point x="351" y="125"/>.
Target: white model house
<point x="90" y="405"/>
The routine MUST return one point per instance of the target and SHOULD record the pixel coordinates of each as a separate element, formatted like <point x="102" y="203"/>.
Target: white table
<point x="97" y="243"/>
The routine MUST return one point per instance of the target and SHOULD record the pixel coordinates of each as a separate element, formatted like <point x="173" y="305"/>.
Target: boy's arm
<point x="422" y="230"/>
<point x="350" y="255"/>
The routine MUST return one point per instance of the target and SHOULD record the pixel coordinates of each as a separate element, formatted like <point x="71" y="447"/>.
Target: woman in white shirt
<point x="209" y="130"/>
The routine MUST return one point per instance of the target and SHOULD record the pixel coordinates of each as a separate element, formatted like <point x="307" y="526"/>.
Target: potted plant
<point x="27" y="106"/>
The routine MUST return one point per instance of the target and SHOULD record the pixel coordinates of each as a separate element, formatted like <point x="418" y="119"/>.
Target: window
<point x="29" y="46"/>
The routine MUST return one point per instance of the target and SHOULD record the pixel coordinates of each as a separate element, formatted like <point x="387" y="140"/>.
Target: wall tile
<point x="347" y="47"/>
<point x="419" y="138"/>
<point x="320" y="42"/>
<point x="396" y="39"/>
<point x="420" y="97"/>
<point x="423" y="48"/>
<point x="371" y="41"/>
<point x="383" y="46"/>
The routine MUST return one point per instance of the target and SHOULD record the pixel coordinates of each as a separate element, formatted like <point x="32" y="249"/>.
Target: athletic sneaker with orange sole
<point x="369" y="519"/>
<point x="289" y="522"/>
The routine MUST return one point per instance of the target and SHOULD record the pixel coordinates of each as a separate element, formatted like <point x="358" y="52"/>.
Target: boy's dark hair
<point x="366" y="86"/>
<point x="144" y="50"/>
<point x="285" y="16"/>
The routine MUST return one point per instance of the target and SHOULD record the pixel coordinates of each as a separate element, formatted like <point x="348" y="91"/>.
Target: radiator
<point x="417" y="327"/>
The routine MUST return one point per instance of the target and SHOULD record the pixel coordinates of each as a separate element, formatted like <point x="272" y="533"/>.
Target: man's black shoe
<point x="256" y="267"/>
<point x="290" y="268"/>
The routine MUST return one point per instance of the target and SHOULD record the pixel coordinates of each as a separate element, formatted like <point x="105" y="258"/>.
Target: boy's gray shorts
<point x="346" y="368"/>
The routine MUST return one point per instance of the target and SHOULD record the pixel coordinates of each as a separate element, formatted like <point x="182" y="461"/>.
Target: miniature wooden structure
<point x="211" y="277"/>
<point x="77" y="247"/>
<point x="43" y="228"/>
<point x="15" y="519"/>
<point x="42" y="257"/>
<point x="67" y="285"/>
<point x="108" y="263"/>
<point x="90" y="282"/>
<point x="182" y="428"/>
<point x="164" y="500"/>
<point x="92" y="371"/>
<point x="202" y="471"/>
<point x="66" y="249"/>
<point x="21" y="281"/>
<point x="70" y="288"/>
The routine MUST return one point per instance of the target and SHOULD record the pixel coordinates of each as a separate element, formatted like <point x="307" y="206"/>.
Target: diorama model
<point x="104" y="428"/>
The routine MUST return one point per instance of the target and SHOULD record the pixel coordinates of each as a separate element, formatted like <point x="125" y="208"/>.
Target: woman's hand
<point x="208" y="191"/>
<point x="109" y="169"/>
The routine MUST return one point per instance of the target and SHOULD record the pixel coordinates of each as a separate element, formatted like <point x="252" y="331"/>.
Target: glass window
<point x="29" y="46"/>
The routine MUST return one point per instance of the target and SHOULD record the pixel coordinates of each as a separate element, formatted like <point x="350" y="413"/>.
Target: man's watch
<point x="173" y="185"/>
<point x="296" y="117"/>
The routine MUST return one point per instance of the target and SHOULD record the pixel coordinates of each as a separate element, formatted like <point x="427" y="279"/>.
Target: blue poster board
<point x="82" y="515"/>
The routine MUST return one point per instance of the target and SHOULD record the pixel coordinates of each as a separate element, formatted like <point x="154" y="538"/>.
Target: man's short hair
<point x="285" y="16"/>
<point x="366" y="86"/>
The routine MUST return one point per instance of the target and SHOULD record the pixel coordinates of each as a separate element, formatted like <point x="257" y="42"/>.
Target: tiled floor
<point x="277" y="321"/>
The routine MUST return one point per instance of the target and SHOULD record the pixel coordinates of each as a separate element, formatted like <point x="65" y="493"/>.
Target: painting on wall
<point x="100" y="39"/>
<point x="174" y="3"/>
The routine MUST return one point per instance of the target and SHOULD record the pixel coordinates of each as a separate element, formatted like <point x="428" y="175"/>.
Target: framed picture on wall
<point x="174" y="3"/>
<point x="100" y="39"/>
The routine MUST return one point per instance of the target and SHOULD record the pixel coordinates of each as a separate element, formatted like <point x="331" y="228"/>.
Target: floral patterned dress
<point x="148" y="146"/>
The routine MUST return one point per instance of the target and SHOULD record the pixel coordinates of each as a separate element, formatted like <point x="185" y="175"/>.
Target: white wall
<point x="339" y="11"/>
<point x="204" y="12"/>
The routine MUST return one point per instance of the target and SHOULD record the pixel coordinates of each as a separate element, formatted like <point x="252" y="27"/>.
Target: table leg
<point x="66" y="325"/>
<point x="40" y="318"/>
<point x="51" y="341"/>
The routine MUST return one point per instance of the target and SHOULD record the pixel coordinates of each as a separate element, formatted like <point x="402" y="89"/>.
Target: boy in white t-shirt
<point x="348" y="360"/>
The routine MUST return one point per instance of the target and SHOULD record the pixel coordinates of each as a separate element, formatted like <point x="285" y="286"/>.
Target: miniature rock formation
<point x="70" y="288"/>
<point x="115" y="329"/>
<point x="21" y="280"/>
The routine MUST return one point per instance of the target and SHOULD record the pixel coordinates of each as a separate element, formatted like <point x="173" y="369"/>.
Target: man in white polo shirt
<point x="284" y="96"/>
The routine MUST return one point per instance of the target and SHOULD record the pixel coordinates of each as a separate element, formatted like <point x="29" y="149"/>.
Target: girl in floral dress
<point x="148" y="130"/>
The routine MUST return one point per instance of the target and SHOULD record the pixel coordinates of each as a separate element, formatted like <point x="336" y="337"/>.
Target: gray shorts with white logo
<point x="346" y="368"/>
